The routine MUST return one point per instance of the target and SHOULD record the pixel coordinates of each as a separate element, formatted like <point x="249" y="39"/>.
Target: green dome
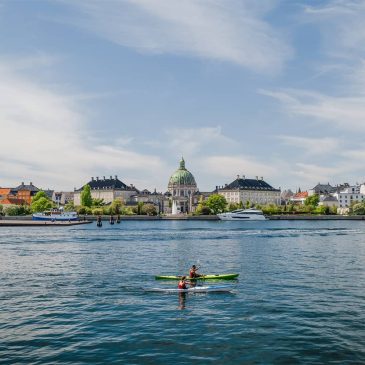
<point x="182" y="176"/>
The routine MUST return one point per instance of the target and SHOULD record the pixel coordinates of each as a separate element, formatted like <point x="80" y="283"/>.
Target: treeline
<point x="90" y="206"/>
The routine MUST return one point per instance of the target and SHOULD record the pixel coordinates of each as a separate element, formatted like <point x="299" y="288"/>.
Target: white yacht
<point x="55" y="215"/>
<point x="250" y="214"/>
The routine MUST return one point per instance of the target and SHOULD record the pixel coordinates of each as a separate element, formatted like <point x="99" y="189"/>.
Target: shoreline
<point x="27" y="220"/>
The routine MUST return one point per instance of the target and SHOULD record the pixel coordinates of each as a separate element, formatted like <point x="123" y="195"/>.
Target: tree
<point x="312" y="200"/>
<point x="216" y="203"/>
<point x="17" y="210"/>
<point x="116" y="207"/>
<point x="97" y="203"/>
<point x="1" y="209"/>
<point x="149" y="209"/>
<point x="358" y="209"/>
<point x="69" y="207"/>
<point x="86" y="199"/>
<point x="41" y="205"/>
<point x="41" y="202"/>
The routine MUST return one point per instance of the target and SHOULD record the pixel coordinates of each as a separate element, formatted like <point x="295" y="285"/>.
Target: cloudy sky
<point x="126" y="87"/>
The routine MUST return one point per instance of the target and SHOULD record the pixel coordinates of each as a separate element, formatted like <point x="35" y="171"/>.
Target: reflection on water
<point x="76" y="295"/>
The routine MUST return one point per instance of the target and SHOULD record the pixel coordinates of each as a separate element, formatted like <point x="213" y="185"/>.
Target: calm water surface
<point x="75" y="295"/>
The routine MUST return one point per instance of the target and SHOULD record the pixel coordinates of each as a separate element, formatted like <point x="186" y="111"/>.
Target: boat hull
<point x="224" y="217"/>
<point x="203" y="277"/>
<point x="64" y="217"/>
<point x="196" y="289"/>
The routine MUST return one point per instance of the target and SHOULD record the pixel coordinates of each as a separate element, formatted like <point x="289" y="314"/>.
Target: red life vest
<point x="182" y="285"/>
<point x="193" y="274"/>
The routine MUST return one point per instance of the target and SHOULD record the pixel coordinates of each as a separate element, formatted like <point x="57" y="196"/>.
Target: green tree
<point x="358" y="209"/>
<point x="312" y="200"/>
<point x="69" y="207"/>
<point x="86" y="199"/>
<point x="139" y="208"/>
<point x="116" y="206"/>
<point x="17" y="210"/>
<point x="1" y="209"/>
<point x="41" y="202"/>
<point x="149" y="209"/>
<point x="216" y="203"/>
<point x="97" y="203"/>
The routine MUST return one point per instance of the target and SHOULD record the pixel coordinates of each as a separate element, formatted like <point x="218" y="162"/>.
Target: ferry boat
<point x="55" y="215"/>
<point x="250" y="214"/>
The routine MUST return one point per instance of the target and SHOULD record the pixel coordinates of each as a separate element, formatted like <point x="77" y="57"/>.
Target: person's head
<point x="193" y="267"/>
<point x="183" y="277"/>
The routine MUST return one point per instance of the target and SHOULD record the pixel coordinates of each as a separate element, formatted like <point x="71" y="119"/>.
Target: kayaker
<point x="182" y="283"/>
<point x="193" y="272"/>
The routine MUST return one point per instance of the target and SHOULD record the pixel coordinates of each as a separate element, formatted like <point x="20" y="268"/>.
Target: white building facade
<point x="254" y="191"/>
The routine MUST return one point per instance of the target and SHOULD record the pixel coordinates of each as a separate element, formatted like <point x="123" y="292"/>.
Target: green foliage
<point x="202" y="209"/>
<point x="248" y="204"/>
<point x="116" y="207"/>
<point x="107" y="210"/>
<point x="216" y="203"/>
<point x="139" y="208"/>
<point x="41" y="202"/>
<point x="97" y="211"/>
<point x="312" y="200"/>
<point x="97" y="203"/>
<point x="1" y="209"/>
<point x="359" y="209"/>
<point x="69" y="207"/>
<point x="148" y="209"/>
<point x="271" y="209"/>
<point x="39" y="195"/>
<point x="86" y="199"/>
<point x="127" y="211"/>
<point x="322" y="209"/>
<point x="233" y="206"/>
<point x="17" y="210"/>
<point x="84" y="210"/>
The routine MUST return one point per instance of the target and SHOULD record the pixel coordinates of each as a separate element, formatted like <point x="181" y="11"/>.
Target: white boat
<point x="55" y="215"/>
<point x="195" y="289"/>
<point x="250" y="214"/>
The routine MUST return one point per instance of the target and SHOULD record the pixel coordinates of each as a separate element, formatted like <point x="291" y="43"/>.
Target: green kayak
<point x="203" y="277"/>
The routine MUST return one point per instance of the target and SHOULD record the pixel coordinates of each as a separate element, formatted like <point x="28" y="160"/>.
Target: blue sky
<point x="256" y="88"/>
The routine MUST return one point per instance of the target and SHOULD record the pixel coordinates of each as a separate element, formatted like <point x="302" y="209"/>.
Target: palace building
<point x="182" y="187"/>
<point x="254" y="191"/>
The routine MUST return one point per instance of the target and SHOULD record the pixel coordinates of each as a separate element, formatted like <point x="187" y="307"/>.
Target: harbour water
<point x="75" y="295"/>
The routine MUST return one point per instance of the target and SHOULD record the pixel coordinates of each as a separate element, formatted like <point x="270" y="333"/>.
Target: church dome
<point x="182" y="176"/>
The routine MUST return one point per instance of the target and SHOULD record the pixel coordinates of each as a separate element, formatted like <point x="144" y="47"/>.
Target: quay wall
<point x="294" y="217"/>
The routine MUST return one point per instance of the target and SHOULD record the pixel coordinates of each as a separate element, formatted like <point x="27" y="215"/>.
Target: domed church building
<point x="182" y="187"/>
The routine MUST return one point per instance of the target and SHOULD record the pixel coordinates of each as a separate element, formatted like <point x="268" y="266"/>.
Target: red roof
<point x="302" y="195"/>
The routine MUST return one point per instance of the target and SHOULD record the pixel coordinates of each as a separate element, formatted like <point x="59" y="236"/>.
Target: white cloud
<point x="229" y="166"/>
<point x="232" y="31"/>
<point x="313" y="146"/>
<point x="191" y="141"/>
<point x="45" y="139"/>
<point x="346" y="112"/>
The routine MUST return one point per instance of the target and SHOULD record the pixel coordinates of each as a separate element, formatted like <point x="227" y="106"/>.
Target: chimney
<point x="243" y="177"/>
<point x="116" y="177"/>
<point x="97" y="178"/>
<point x="103" y="177"/>
<point x="22" y="183"/>
<point x="30" y="183"/>
<point x="92" y="178"/>
<point x="238" y="176"/>
<point x="262" y="178"/>
<point x="111" y="177"/>
<point x="257" y="177"/>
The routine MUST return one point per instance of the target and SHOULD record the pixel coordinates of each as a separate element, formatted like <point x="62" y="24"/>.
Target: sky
<point x="274" y="89"/>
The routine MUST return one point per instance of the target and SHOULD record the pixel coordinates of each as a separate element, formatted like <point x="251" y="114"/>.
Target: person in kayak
<point x="182" y="283"/>
<point x="193" y="272"/>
